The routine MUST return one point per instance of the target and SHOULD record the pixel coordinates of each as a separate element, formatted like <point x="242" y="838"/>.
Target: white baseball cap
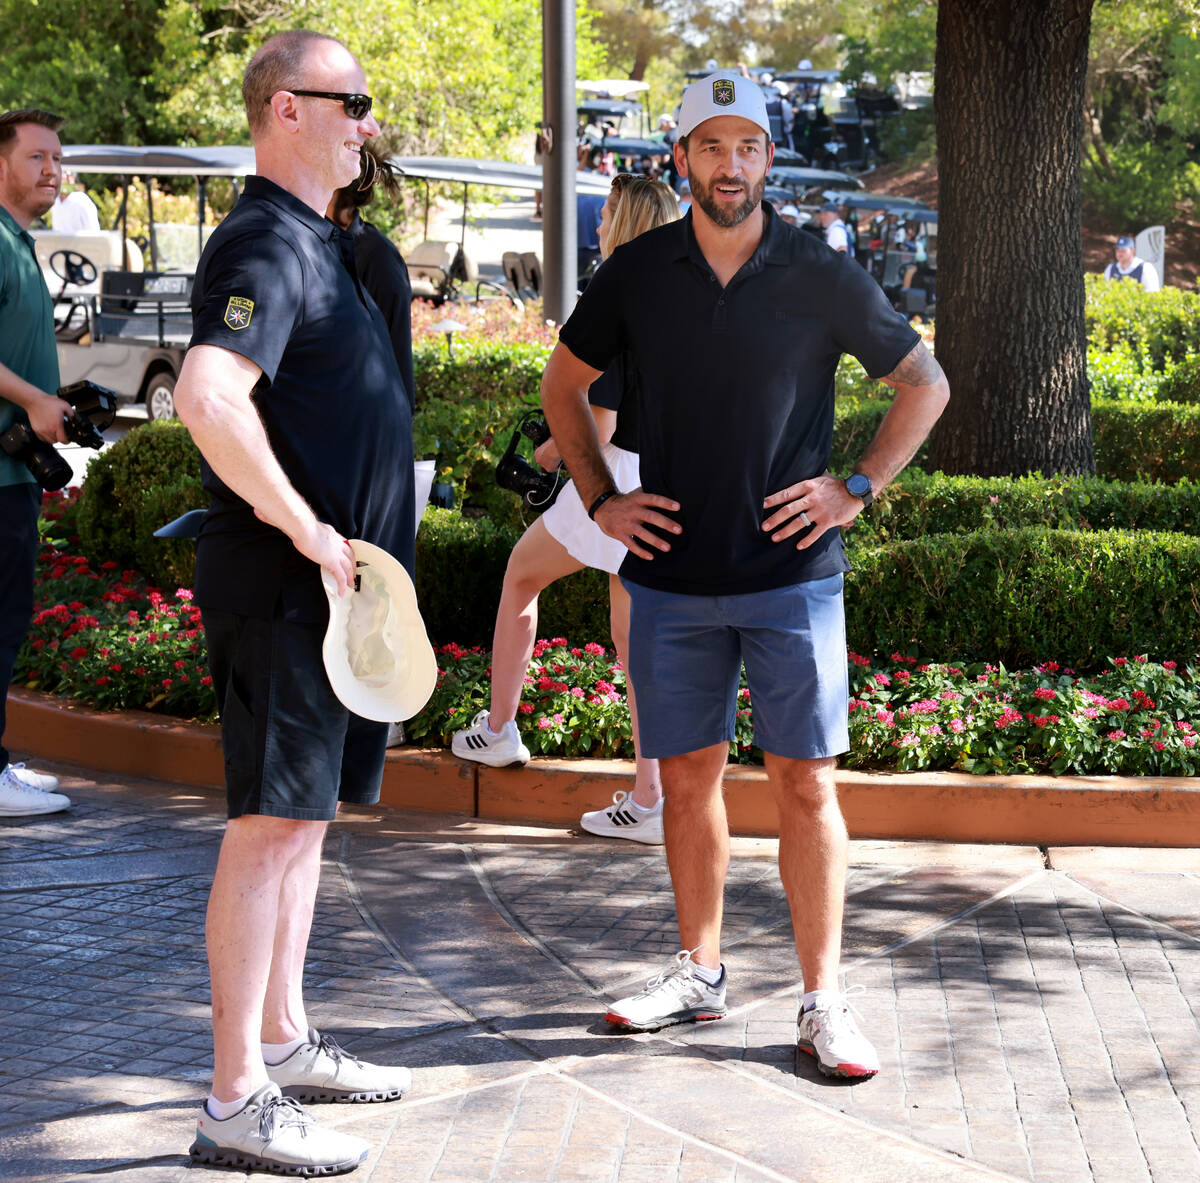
<point x="376" y="651"/>
<point x="722" y="93"/>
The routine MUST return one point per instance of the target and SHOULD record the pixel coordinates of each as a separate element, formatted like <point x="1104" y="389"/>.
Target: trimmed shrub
<point x="146" y="479"/>
<point x="1026" y="596"/>
<point x="468" y="408"/>
<point x="1150" y="441"/>
<point x="919" y="504"/>
<point x="460" y="570"/>
<point x="1181" y="384"/>
<point x="1159" y="326"/>
<point x="1141" y="184"/>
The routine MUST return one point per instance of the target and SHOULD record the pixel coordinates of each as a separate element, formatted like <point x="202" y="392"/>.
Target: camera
<point x="537" y="488"/>
<point x="95" y="409"/>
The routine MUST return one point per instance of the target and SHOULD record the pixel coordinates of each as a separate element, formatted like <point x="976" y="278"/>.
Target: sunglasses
<point x="355" y="105"/>
<point x="622" y="179"/>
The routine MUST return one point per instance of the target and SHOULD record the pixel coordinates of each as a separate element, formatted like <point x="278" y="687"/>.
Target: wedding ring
<point x="804" y="518"/>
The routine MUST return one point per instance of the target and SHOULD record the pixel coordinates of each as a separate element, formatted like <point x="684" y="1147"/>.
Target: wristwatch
<point x="858" y="484"/>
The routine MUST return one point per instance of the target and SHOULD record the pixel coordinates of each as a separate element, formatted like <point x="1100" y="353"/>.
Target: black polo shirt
<point x="277" y="285"/>
<point x="738" y="402"/>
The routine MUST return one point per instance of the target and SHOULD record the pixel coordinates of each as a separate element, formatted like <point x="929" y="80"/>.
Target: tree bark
<point x="1010" y="330"/>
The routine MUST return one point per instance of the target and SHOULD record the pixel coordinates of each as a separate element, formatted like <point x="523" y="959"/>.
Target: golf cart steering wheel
<point x="72" y="267"/>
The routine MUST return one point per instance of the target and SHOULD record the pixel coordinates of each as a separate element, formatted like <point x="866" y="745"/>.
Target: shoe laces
<point x="681" y="965"/>
<point x="619" y="799"/>
<point x="335" y="1051"/>
<point x="838" y="1018"/>
<point x="12" y="776"/>
<point x="279" y="1111"/>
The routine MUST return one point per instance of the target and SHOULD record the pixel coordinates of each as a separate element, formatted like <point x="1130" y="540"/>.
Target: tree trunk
<point x="1010" y="330"/>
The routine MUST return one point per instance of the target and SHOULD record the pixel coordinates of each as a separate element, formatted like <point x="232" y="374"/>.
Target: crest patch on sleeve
<point x="238" y="312"/>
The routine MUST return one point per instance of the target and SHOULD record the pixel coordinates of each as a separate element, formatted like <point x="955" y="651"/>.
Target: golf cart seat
<point x="431" y="269"/>
<point x="533" y="271"/>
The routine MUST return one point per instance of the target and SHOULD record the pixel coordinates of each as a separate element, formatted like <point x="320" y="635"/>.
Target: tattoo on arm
<point x="919" y="368"/>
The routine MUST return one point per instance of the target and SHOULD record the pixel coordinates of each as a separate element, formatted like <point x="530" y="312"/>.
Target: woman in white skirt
<point x="564" y="540"/>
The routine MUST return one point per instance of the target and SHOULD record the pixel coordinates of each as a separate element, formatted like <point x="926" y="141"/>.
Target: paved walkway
<point x="1036" y="1010"/>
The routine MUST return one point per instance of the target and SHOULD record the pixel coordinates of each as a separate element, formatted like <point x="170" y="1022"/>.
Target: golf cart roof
<point x="614" y="88"/>
<point x="822" y="76"/>
<point x="811" y="178"/>
<point x="159" y="159"/>
<point x="500" y="173"/>
<point x="909" y="206"/>
<point x="614" y="107"/>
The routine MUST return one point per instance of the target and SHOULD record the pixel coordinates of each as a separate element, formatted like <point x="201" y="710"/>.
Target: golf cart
<point x="117" y="323"/>
<point x="897" y="243"/>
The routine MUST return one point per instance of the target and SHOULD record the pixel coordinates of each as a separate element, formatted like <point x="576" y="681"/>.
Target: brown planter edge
<point x="932" y="806"/>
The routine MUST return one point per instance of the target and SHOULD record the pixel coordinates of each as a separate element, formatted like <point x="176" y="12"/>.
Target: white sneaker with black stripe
<point x="622" y="819"/>
<point x="481" y="744"/>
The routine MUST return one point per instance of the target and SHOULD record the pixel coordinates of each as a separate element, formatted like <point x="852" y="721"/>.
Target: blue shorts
<point x="685" y="654"/>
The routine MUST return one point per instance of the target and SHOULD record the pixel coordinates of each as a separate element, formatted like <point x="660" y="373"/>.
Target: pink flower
<point x="957" y="725"/>
<point x="558" y="719"/>
<point x="1159" y="745"/>
<point x="1169" y="665"/>
<point x="576" y="692"/>
<point x="883" y="679"/>
<point x="1044" y="693"/>
<point x="1090" y="712"/>
<point x="526" y="708"/>
<point x="594" y="649"/>
<point x="950" y="696"/>
<point x="885" y="717"/>
<point x="183" y="593"/>
<point x="544" y="724"/>
<point x="1117" y="734"/>
<point x="1008" y="718"/>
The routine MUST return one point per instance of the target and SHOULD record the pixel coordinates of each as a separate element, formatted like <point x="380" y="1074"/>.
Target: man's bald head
<point x="279" y="64"/>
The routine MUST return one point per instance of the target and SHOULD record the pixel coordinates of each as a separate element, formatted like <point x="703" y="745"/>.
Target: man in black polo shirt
<point x="735" y="547"/>
<point x="293" y="395"/>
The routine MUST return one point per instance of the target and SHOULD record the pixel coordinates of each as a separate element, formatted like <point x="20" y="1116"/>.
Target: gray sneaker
<point x="20" y="797"/>
<point x="674" y="996"/>
<point x="323" y="1071"/>
<point x="273" y="1133"/>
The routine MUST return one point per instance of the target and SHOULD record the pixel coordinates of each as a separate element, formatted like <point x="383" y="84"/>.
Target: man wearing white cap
<point x="1127" y="265"/>
<point x="734" y="539"/>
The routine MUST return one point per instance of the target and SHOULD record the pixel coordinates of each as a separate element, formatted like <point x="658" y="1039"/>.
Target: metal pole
<point x="559" y="244"/>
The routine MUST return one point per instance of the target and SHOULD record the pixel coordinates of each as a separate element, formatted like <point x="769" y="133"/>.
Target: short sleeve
<point x="865" y="325"/>
<point x="250" y="299"/>
<point x="608" y="389"/>
<point x="595" y="331"/>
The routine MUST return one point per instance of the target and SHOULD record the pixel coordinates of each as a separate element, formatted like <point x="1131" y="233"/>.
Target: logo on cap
<point x="238" y="312"/>
<point x="723" y="92"/>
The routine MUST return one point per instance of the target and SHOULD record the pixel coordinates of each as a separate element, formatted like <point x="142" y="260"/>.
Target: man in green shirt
<point x="30" y="176"/>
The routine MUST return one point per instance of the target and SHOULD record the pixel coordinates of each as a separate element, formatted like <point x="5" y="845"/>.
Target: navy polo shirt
<point x="735" y="390"/>
<point x="277" y="285"/>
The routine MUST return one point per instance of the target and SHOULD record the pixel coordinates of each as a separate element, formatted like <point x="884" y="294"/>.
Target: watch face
<point x="858" y="485"/>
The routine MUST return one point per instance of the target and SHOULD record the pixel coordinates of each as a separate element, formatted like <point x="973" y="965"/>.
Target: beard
<point x="722" y="215"/>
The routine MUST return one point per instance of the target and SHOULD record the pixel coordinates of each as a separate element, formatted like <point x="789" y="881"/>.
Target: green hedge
<point x="460" y="570"/>
<point x="1160" y="326"/>
<point x="468" y="407"/>
<point x="146" y="479"/>
<point x="1152" y="441"/>
<point x="919" y="504"/>
<point x="1027" y="596"/>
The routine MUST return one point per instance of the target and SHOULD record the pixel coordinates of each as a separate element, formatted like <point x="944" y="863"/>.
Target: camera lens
<point x="49" y="469"/>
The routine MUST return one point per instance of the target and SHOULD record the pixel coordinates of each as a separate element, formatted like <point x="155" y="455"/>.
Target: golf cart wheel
<point x="160" y="396"/>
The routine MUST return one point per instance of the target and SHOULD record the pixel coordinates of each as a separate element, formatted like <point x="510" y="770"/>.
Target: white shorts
<point x="570" y="526"/>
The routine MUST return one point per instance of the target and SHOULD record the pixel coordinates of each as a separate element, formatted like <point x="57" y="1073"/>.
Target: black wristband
<point x="595" y="505"/>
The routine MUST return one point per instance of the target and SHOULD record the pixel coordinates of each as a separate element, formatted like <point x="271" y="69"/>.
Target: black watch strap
<point x="595" y="505"/>
<point x="858" y="484"/>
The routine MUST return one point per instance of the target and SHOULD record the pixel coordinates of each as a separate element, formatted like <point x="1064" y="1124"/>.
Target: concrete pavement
<point x="1036" y="1010"/>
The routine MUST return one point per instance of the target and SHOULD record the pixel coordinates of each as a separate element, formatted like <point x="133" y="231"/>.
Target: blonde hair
<point x="642" y="204"/>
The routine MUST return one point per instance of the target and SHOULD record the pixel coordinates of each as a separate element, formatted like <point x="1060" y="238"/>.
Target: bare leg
<point x="536" y="562"/>
<point x="242" y="935"/>
<point x="647" y="785"/>
<point x="284" y="1017"/>
<point x="812" y="862"/>
<point x="697" y="840"/>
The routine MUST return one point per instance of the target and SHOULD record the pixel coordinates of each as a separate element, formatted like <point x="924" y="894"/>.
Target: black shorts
<point x="291" y="748"/>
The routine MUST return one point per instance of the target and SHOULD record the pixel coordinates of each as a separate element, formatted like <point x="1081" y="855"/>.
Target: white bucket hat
<point x="377" y="654"/>
<point x="722" y="93"/>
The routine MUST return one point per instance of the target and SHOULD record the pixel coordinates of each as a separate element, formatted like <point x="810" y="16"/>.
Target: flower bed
<point x="107" y="638"/>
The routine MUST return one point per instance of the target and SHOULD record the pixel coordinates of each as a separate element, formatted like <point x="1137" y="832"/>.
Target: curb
<point x="926" y="806"/>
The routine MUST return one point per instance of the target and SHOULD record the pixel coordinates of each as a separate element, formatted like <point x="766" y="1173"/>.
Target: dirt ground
<point x="1183" y="235"/>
